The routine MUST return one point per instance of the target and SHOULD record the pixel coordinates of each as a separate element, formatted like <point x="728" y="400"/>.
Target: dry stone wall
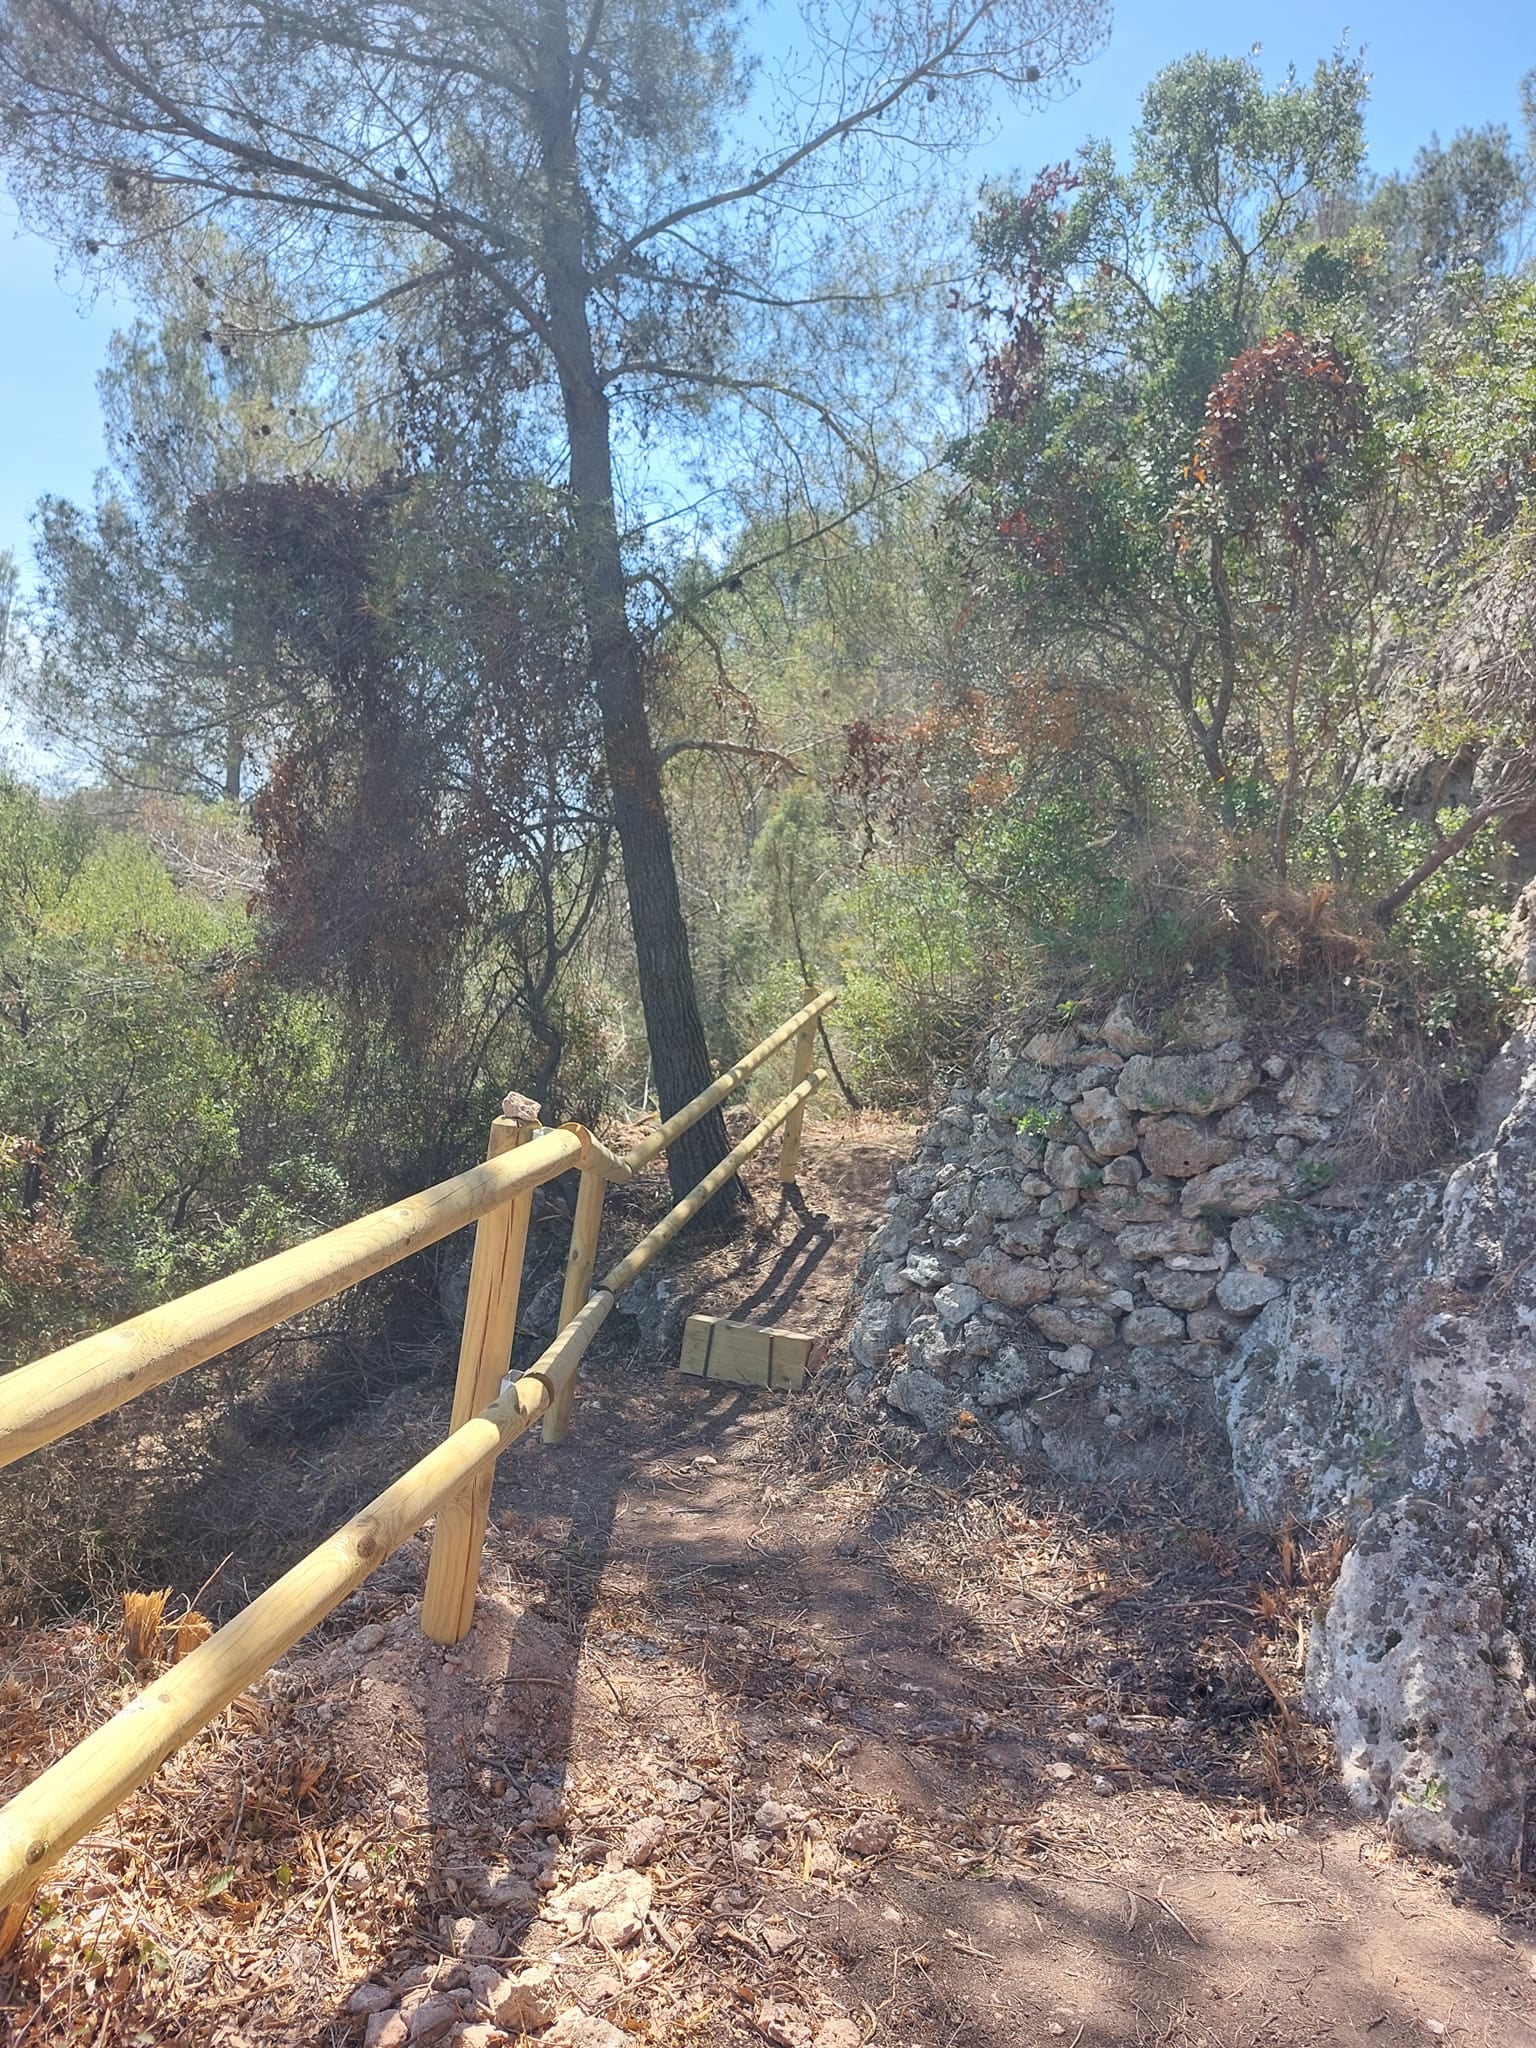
<point x="1133" y="1244"/>
<point x="1091" y="1222"/>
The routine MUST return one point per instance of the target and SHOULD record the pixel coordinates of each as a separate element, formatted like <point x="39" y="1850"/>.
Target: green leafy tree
<point x="1468" y="678"/>
<point x="1456" y="218"/>
<point x="1184" y="467"/>
<point x="119" y="1056"/>
<point x="136" y="672"/>
<point x="586" y="194"/>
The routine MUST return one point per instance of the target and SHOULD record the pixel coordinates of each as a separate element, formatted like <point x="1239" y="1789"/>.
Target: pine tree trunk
<point x="673" y="1027"/>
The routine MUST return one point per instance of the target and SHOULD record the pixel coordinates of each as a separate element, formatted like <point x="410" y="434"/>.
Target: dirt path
<point x="840" y="1753"/>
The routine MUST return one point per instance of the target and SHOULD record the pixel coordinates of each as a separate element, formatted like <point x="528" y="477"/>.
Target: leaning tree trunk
<point x="673" y="1027"/>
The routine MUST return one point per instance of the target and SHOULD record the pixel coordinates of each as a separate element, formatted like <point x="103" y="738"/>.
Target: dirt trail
<point x="937" y="1755"/>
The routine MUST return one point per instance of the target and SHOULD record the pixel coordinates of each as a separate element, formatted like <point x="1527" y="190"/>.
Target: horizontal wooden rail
<point x="62" y="1805"/>
<point x="67" y="1800"/>
<point x="44" y="1401"/>
<point x="598" y="1159"/>
<point x="707" y="1098"/>
<point x="629" y="1269"/>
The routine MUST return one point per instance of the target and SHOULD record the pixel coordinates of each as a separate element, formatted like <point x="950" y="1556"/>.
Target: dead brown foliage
<point x="143" y="1630"/>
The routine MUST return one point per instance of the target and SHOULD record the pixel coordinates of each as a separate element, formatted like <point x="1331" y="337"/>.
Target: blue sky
<point x="1432" y="72"/>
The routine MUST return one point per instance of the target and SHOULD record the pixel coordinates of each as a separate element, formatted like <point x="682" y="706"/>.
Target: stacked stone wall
<point x="1092" y="1220"/>
<point x="1135" y="1243"/>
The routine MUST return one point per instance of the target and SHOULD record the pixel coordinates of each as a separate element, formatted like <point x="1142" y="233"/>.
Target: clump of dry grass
<point x="147" y="1635"/>
<point x="192" y="1629"/>
<point x="1206" y="900"/>
<point x="1407" y="1121"/>
<point x="1297" y="931"/>
<point x="143" y="1631"/>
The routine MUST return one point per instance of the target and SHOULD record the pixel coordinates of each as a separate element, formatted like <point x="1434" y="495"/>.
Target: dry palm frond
<point x="143" y="1625"/>
<point x="1323" y="1563"/>
<point x="1253" y="1657"/>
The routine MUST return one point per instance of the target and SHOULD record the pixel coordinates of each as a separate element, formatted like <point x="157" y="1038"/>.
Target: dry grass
<point x="192" y="1629"/>
<point x="1409" y="1119"/>
<point x="221" y="1867"/>
<point x="143" y="1626"/>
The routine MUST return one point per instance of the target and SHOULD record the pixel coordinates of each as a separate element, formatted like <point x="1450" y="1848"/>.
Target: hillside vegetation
<point x="1157" y="601"/>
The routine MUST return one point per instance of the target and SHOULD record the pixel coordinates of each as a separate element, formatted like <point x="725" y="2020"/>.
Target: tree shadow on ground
<point x="666" y="1631"/>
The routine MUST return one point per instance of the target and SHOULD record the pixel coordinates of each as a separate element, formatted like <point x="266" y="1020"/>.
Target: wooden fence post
<point x="13" y="1918"/>
<point x="485" y="1353"/>
<point x="805" y="1055"/>
<point x="579" y="1264"/>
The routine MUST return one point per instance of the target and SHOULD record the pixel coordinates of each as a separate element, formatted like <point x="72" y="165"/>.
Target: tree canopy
<point x="576" y="197"/>
<point x="507" y="478"/>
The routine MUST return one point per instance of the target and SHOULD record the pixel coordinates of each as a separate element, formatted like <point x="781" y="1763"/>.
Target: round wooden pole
<point x="42" y="1402"/>
<point x="485" y="1357"/>
<point x="618" y="1277"/>
<point x="805" y="1056"/>
<point x="580" y="1263"/>
<point x="66" y="1802"/>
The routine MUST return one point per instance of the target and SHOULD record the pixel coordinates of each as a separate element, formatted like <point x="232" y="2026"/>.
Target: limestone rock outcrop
<point x="1392" y="1387"/>
<point x="1135" y="1247"/>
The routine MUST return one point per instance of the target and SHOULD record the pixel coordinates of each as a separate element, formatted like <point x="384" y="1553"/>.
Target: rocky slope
<point x="1135" y="1248"/>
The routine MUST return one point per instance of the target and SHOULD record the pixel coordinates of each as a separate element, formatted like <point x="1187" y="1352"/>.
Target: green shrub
<point x="1052" y="863"/>
<point x="1444" y="953"/>
<point x="923" y="974"/>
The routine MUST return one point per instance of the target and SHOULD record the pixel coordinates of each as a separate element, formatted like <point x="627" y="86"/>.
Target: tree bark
<point x="674" y="1028"/>
<point x="234" y="745"/>
<point x="1213" y="734"/>
<point x="1446" y="850"/>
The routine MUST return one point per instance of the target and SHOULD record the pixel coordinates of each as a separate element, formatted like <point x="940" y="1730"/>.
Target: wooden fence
<point x="40" y="1403"/>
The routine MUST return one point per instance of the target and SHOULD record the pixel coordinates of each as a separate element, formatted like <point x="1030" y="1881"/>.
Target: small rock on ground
<point x="838" y="2033"/>
<point x="577" y="2029"/>
<point x="871" y="1836"/>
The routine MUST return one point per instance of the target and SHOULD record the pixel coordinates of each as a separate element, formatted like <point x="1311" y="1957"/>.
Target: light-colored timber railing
<point x="42" y="1402"/>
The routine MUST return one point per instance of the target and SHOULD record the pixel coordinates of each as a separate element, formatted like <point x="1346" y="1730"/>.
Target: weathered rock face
<point x="1394" y="1387"/>
<point x="1088" y="1226"/>
<point x="1199" y="1082"/>
<point x="1132" y="1246"/>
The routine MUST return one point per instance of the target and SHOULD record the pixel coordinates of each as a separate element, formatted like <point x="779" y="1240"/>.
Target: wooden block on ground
<point x="715" y="1348"/>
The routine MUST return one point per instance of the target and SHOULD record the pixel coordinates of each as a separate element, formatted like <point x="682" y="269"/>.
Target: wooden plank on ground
<point x="715" y="1348"/>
